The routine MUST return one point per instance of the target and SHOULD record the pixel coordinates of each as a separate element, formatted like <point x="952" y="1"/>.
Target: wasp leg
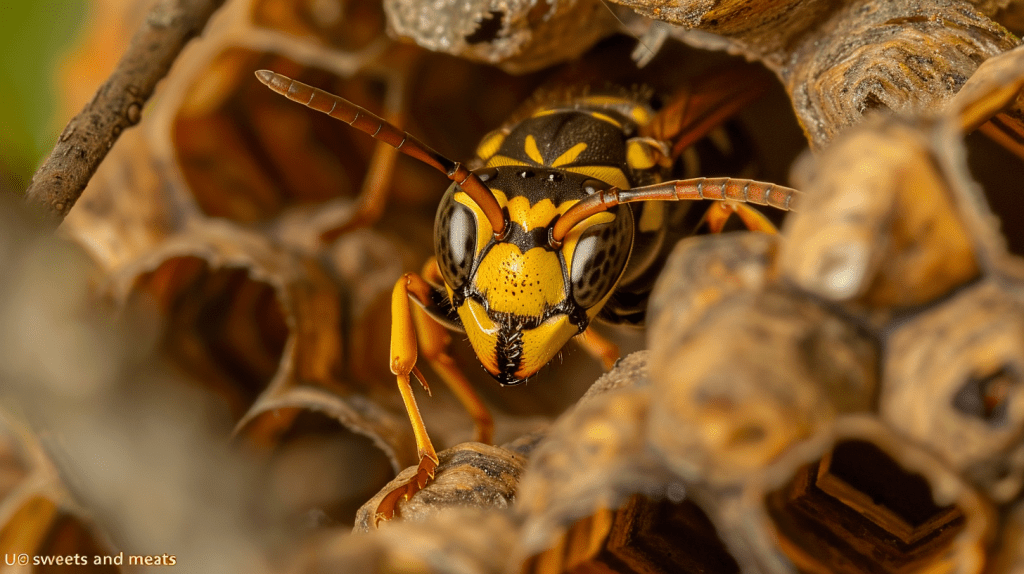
<point x="403" y="362"/>
<point x="695" y="110"/>
<point x="599" y="347"/>
<point x="373" y="197"/>
<point x="754" y="219"/>
<point x="434" y="341"/>
<point x="719" y="212"/>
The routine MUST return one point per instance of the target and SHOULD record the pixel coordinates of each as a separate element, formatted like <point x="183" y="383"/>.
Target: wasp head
<point x="519" y="298"/>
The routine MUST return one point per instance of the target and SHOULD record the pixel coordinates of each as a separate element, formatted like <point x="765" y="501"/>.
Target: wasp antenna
<point x="715" y="188"/>
<point x="481" y="194"/>
<point x="601" y="201"/>
<point x="381" y="130"/>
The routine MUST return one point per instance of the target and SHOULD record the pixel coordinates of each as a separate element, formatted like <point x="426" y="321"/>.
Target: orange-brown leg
<point x="599" y="347"/>
<point x="410" y="325"/>
<point x="373" y="196"/>
<point x="434" y="341"/>
<point x="719" y="212"/>
<point x="403" y="362"/>
<point x="696" y="109"/>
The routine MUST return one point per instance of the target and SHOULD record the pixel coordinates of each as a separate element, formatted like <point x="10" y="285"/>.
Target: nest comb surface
<point x="226" y="253"/>
<point x="227" y="221"/>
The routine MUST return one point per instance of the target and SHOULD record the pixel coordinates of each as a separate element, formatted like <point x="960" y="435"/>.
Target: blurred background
<point x="210" y="349"/>
<point x="35" y="35"/>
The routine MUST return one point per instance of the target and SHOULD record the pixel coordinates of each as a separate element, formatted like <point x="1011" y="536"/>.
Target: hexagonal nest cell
<point x="247" y="154"/>
<point x="857" y="510"/>
<point x="222" y="327"/>
<point x="232" y="217"/>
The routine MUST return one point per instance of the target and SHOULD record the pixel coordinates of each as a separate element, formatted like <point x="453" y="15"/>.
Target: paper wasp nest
<point x="843" y="397"/>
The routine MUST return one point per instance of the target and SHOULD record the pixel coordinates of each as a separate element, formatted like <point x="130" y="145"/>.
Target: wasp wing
<point x="700" y="106"/>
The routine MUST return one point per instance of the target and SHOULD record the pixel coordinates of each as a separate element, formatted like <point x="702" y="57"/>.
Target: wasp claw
<point x="388" y="507"/>
<point x="423" y="380"/>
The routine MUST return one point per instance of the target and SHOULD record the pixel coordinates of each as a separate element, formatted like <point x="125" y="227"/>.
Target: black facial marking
<point x="509" y="352"/>
<point x="527" y="240"/>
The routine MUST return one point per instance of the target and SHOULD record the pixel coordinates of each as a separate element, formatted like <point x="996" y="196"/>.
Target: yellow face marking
<point x="523" y="284"/>
<point x="490" y="144"/>
<point x="531" y="150"/>
<point x="570" y="155"/>
<point x="605" y="173"/>
<point x="482" y="333"/>
<point x="640" y="155"/>
<point x="543" y="342"/>
<point x="529" y="217"/>
<point x="606" y="118"/>
<point x="545" y="112"/>
<point x="504" y="160"/>
<point x="520" y="211"/>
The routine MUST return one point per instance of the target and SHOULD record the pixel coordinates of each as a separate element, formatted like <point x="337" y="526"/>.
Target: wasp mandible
<point x="561" y="211"/>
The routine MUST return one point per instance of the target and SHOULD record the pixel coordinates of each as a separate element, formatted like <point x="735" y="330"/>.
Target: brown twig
<point x="117" y="104"/>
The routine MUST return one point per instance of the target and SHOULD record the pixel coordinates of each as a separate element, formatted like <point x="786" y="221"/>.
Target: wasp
<point x="559" y="221"/>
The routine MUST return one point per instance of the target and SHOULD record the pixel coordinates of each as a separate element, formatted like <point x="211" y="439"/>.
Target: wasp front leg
<point x="434" y="342"/>
<point x="599" y="347"/>
<point x="411" y="324"/>
<point x="403" y="362"/>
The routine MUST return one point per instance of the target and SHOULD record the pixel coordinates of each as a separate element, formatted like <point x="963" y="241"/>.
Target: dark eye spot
<point x="554" y="176"/>
<point x="526" y="173"/>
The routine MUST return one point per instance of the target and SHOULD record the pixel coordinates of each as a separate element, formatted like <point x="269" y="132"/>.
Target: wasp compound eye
<point x="454" y="239"/>
<point x="600" y="257"/>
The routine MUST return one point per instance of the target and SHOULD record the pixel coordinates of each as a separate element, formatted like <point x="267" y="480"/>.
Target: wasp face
<point x="519" y="299"/>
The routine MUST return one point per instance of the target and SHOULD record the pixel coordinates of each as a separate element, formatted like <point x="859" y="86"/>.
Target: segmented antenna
<point x="366" y="122"/>
<point x="718" y="188"/>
